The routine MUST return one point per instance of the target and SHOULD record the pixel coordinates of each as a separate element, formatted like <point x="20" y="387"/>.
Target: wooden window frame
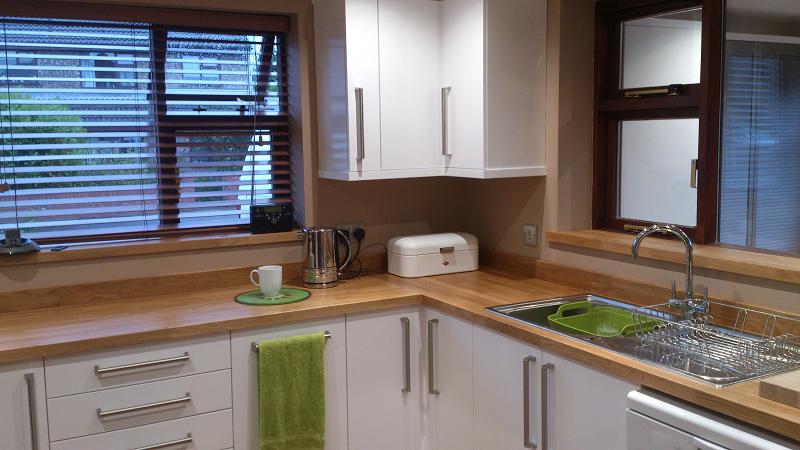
<point x="700" y="101"/>
<point x="163" y="20"/>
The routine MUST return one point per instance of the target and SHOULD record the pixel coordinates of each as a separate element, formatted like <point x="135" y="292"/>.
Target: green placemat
<point x="287" y="295"/>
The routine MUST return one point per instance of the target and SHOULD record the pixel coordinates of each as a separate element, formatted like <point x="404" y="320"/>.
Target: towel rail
<point x="254" y="345"/>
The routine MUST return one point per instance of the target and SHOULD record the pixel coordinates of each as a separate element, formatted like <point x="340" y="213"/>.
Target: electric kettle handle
<point x="349" y="254"/>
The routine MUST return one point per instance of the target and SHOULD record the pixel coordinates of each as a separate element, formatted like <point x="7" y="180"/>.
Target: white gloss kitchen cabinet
<point x="23" y="411"/>
<point x="586" y="408"/>
<point x="507" y="392"/>
<point x="462" y="95"/>
<point x="449" y="400"/>
<point x="384" y="381"/>
<point x="245" y="381"/>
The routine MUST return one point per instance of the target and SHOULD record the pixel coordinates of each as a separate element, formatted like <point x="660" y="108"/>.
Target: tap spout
<point x="687" y="243"/>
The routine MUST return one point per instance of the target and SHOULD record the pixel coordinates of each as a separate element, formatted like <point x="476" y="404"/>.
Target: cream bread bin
<point x="432" y="254"/>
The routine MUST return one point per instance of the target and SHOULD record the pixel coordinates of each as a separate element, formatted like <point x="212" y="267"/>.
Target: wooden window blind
<point x="112" y="128"/>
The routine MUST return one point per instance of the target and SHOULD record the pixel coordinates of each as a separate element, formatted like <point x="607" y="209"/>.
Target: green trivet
<point x="287" y="295"/>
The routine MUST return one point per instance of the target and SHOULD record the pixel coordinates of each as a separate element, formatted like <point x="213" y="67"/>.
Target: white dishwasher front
<point x="657" y="422"/>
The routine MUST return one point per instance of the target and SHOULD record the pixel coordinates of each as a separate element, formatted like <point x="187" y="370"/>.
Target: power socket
<point x="530" y="234"/>
<point x="348" y="228"/>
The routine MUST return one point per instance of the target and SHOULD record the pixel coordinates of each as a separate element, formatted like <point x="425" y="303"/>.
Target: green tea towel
<point x="291" y="393"/>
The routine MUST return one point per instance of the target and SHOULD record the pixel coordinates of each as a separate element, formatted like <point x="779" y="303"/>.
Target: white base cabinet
<point x="384" y="381"/>
<point x="23" y="409"/>
<point x="449" y="382"/>
<point x="507" y="392"/>
<point x="586" y="408"/>
<point x="245" y="381"/>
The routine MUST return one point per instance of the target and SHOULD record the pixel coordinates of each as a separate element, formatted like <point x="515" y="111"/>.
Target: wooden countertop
<point x="86" y="326"/>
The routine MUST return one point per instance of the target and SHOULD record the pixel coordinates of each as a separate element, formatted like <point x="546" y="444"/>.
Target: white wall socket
<point x="530" y="234"/>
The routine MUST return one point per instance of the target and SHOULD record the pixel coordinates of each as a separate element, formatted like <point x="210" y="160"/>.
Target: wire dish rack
<point x="726" y="345"/>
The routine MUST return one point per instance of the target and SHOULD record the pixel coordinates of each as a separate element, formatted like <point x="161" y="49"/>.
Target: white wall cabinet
<point x="23" y="410"/>
<point x="507" y="392"/>
<point x="384" y="381"/>
<point x="586" y="408"/>
<point x="245" y="381"/>
<point x="412" y="88"/>
<point x="449" y="381"/>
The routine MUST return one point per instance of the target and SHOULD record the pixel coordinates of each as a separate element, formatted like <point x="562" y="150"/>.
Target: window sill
<point x="83" y="252"/>
<point x="742" y="262"/>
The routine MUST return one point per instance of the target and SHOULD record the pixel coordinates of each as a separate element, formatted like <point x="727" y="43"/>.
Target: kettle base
<point x="321" y="285"/>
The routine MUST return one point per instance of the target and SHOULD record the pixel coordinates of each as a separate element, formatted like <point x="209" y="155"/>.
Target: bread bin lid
<point x="432" y="243"/>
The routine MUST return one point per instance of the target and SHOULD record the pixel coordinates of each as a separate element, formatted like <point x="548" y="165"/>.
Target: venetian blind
<point x="113" y="128"/>
<point x="760" y="157"/>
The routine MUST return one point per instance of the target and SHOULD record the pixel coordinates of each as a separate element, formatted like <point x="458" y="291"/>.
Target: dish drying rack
<point x="727" y="341"/>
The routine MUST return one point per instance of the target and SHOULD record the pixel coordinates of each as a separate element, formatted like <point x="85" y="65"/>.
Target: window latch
<point x="672" y="89"/>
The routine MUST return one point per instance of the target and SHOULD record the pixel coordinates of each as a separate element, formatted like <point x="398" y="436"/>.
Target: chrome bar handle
<point x="360" y="124"/>
<point x="527" y="442"/>
<point x="186" y="440"/>
<point x="406" y="327"/>
<point x="148" y="364"/>
<point x="31" y="388"/>
<point x="445" y="131"/>
<point x="132" y="409"/>
<point x="431" y="369"/>
<point x="693" y="175"/>
<point x="546" y="368"/>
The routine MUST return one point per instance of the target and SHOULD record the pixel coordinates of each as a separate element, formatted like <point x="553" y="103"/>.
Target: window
<point x="654" y="151"/>
<point x="760" y="154"/>
<point x="113" y="128"/>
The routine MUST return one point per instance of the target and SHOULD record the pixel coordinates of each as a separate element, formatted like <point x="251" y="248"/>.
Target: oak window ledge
<point x="139" y="247"/>
<point x="767" y="266"/>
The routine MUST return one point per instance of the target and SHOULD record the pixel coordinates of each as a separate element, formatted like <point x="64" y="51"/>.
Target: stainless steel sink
<point x="714" y="354"/>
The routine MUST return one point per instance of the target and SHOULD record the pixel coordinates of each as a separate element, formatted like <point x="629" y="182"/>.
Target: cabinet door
<point x="346" y="42"/>
<point x="384" y="385"/>
<point x="462" y="71"/>
<point x="448" y="372"/>
<point x="23" y="412"/>
<point x="505" y="418"/>
<point x="586" y="408"/>
<point x="245" y="382"/>
<point x="363" y="73"/>
<point x="411" y="115"/>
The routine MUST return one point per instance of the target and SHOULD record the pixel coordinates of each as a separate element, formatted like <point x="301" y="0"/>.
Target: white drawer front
<point x="211" y="431"/>
<point x="76" y="374"/>
<point x="132" y="406"/>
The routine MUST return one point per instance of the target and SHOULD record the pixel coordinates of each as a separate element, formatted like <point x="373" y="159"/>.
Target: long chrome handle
<point x="431" y="369"/>
<point x="31" y="388"/>
<point x="405" y="324"/>
<point x="693" y="175"/>
<point x="186" y="440"/>
<point x="360" y="124"/>
<point x="527" y="442"/>
<point x="445" y="131"/>
<point x="546" y="368"/>
<point x="131" y="409"/>
<point x="147" y="364"/>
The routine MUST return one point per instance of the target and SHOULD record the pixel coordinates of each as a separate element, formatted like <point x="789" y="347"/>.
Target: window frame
<point x="163" y="20"/>
<point x="700" y="101"/>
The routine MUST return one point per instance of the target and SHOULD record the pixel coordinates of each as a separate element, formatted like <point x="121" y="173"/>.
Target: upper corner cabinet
<point x="415" y="88"/>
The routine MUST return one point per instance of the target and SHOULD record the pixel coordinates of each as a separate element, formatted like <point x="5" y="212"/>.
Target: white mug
<point x="269" y="280"/>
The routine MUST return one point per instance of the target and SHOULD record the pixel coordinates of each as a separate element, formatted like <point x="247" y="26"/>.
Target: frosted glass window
<point x="655" y="162"/>
<point x="661" y="50"/>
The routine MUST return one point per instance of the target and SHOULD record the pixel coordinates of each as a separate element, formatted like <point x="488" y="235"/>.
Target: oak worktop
<point x="163" y="311"/>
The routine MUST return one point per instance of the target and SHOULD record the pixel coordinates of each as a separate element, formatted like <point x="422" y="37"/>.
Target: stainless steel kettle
<point x="321" y="268"/>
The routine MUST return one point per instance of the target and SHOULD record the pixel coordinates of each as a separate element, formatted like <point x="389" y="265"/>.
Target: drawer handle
<point x="148" y="364"/>
<point x="115" y="412"/>
<point x="186" y="440"/>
